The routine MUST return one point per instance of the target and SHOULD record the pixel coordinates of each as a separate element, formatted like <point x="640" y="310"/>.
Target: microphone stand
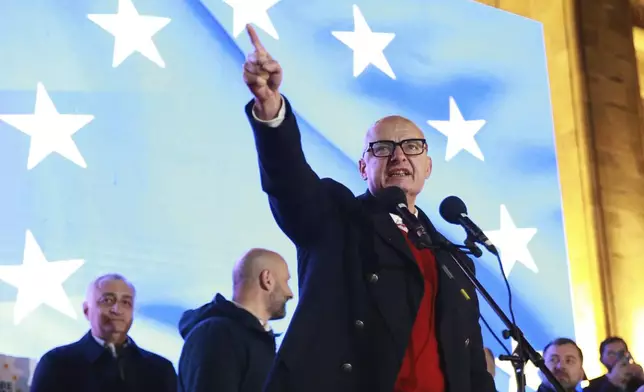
<point x="461" y="260"/>
<point x="471" y="246"/>
<point x="517" y="363"/>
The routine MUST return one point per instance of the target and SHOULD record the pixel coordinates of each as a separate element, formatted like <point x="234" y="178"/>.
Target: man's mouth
<point x="398" y="173"/>
<point x="561" y="375"/>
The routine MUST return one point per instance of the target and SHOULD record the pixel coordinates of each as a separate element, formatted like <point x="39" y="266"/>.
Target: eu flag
<point x="124" y="147"/>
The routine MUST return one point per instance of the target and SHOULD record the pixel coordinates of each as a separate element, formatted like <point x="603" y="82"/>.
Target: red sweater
<point x="420" y="370"/>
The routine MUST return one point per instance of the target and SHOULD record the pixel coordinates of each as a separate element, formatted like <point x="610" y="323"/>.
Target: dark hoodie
<point x="226" y="349"/>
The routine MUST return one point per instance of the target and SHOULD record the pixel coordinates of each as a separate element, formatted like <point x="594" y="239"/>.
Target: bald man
<point x="106" y="358"/>
<point x="229" y="345"/>
<point x="375" y="313"/>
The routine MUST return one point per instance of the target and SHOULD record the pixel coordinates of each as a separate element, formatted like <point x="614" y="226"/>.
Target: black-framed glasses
<point x="386" y="148"/>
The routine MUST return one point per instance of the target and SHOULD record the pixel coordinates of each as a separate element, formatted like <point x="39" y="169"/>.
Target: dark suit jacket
<point x="601" y="384"/>
<point x="86" y="366"/>
<point x="360" y="286"/>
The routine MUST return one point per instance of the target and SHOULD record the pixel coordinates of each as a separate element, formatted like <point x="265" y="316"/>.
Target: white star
<point x="50" y="131"/>
<point x="460" y="133"/>
<point x="252" y="11"/>
<point x="512" y="243"/>
<point x="367" y="46"/>
<point x="39" y="282"/>
<point x="132" y="32"/>
<point x="531" y="372"/>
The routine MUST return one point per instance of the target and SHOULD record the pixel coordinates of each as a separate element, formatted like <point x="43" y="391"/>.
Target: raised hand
<point x="263" y="76"/>
<point x="637" y="371"/>
<point x="619" y="374"/>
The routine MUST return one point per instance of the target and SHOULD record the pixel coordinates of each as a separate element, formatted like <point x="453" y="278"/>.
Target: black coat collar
<point x="385" y="227"/>
<point x="93" y="350"/>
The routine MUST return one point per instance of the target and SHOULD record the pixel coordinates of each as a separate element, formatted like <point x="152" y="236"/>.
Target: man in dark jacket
<point x="229" y="345"/>
<point x="105" y="359"/>
<point x="565" y="361"/>
<point x="623" y="374"/>
<point x="375" y="313"/>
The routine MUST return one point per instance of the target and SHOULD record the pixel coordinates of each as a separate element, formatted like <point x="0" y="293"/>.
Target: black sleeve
<point x="170" y="376"/>
<point x="211" y="359"/>
<point x="299" y="202"/>
<point x="482" y="380"/>
<point x="45" y="378"/>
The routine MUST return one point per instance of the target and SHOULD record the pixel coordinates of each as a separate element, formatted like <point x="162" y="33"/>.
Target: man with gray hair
<point x="106" y="358"/>
<point x="229" y="345"/>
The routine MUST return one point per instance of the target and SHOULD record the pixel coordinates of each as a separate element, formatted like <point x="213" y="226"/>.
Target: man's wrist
<point x="267" y="111"/>
<point x="275" y="121"/>
<point x="615" y="381"/>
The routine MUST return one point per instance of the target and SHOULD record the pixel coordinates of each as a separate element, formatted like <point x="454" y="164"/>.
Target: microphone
<point x="393" y="198"/>
<point x="454" y="211"/>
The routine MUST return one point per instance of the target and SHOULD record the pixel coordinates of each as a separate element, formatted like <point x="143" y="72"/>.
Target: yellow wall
<point x="576" y="172"/>
<point x="638" y="41"/>
<point x="636" y="342"/>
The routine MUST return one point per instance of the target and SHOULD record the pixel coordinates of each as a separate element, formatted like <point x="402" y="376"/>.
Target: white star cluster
<point x="49" y="130"/>
<point x="252" y="12"/>
<point x="56" y="131"/>
<point x="512" y="243"/>
<point x="367" y="46"/>
<point x="39" y="282"/>
<point x="132" y="32"/>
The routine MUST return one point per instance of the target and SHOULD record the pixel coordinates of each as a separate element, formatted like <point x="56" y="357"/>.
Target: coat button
<point x="359" y="324"/>
<point x="373" y="278"/>
<point x="347" y="367"/>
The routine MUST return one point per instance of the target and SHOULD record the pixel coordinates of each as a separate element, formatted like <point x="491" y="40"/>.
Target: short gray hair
<point x="96" y="283"/>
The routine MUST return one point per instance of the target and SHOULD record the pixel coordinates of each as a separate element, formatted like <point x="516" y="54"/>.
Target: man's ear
<point x="429" y="168"/>
<point x="86" y="310"/>
<point x="362" y="168"/>
<point x="266" y="280"/>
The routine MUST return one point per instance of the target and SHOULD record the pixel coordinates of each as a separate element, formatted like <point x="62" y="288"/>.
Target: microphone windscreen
<point x="390" y="197"/>
<point x="452" y="208"/>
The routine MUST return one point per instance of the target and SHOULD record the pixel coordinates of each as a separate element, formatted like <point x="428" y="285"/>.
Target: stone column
<point x="615" y="128"/>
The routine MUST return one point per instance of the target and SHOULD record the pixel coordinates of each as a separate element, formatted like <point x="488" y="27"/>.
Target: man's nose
<point x="398" y="154"/>
<point x="116" y="309"/>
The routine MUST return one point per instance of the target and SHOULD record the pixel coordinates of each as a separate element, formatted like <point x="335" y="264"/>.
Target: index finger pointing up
<point x="254" y="39"/>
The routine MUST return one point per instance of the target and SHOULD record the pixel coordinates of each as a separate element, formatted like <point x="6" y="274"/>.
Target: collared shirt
<point x="267" y="327"/>
<point x="399" y="222"/>
<point x="110" y="346"/>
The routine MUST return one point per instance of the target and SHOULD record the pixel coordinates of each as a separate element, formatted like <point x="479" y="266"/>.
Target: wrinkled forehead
<point x="116" y="287"/>
<point x="615" y="347"/>
<point x="564" y="350"/>
<point x="394" y="128"/>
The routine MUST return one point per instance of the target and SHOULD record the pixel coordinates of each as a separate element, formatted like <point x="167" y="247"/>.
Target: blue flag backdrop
<point x="124" y="147"/>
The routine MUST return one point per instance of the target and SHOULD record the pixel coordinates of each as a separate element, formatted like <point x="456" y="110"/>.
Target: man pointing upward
<point x="375" y="313"/>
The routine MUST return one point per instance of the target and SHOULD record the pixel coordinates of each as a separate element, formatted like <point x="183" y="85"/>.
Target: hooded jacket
<point x="226" y="349"/>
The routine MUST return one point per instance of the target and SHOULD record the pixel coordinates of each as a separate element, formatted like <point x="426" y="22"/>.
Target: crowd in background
<point x="565" y="360"/>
